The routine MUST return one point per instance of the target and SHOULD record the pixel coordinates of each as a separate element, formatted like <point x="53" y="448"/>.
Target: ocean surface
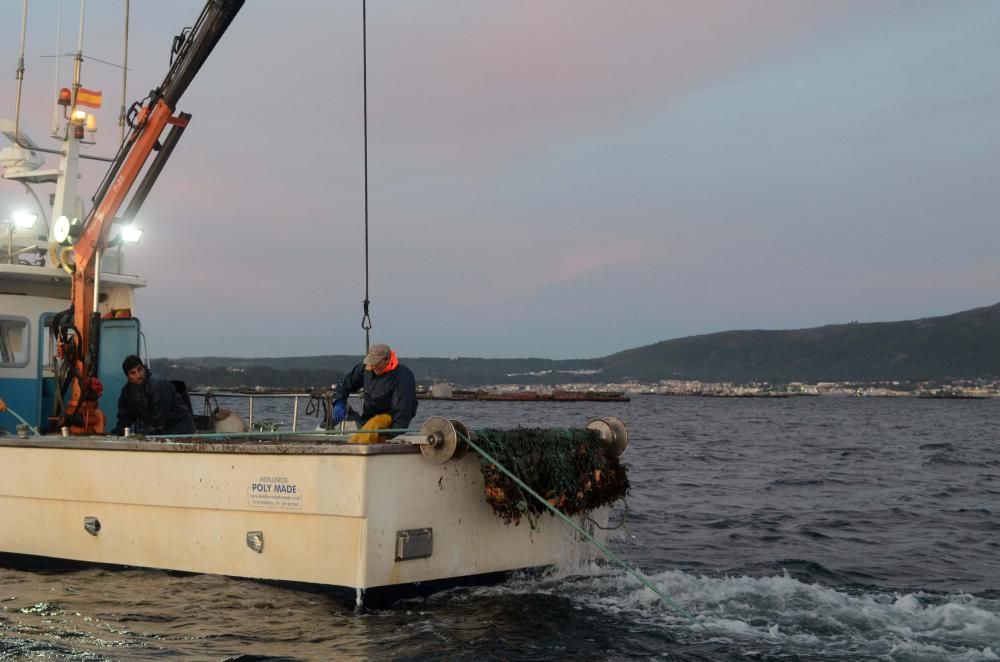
<point x="792" y="529"/>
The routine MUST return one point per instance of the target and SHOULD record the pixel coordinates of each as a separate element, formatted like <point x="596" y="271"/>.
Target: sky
<point x="557" y="179"/>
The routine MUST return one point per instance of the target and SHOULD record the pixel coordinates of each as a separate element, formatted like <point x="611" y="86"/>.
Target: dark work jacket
<point x="155" y="407"/>
<point x="393" y="393"/>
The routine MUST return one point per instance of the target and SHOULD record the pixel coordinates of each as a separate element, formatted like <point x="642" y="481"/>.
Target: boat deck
<point x="317" y="444"/>
<point x="370" y="522"/>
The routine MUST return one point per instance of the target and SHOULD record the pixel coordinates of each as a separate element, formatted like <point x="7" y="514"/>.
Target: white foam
<point x="781" y="610"/>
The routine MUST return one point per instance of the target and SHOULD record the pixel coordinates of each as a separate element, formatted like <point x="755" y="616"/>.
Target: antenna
<point x="20" y="70"/>
<point x="121" y="112"/>
<point x="55" y="100"/>
<point x="78" y="60"/>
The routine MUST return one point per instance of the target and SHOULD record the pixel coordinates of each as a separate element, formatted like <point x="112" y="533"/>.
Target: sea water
<point x="790" y="529"/>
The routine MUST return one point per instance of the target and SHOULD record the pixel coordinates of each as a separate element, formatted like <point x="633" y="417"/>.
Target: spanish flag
<point x="87" y="97"/>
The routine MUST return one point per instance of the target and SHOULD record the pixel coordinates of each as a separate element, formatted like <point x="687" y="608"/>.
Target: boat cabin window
<point x="13" y="342"/>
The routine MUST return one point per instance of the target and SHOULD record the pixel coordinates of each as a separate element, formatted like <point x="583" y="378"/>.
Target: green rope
<point x="607" y="552"/>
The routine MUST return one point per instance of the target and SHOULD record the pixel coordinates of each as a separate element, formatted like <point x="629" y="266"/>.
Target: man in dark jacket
<point x="390" y="399"/>
<point x="149" y="404"/>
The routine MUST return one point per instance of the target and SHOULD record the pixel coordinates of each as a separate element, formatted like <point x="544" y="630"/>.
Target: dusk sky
<point x="559" y="179"/>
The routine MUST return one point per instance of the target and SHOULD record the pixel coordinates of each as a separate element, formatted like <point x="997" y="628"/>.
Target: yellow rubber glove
<point x="376" y="422"/>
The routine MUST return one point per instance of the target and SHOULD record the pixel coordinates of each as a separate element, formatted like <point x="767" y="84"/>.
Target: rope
<point x="616" y="526"/>
<point x="607" y="552"/>
<point x="5" y="408"/>
<point x="366" y="320"/>
<point x="320" y="405"/>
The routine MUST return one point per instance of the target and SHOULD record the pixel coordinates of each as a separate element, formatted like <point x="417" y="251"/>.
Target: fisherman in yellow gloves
<point x="390" y="399"/>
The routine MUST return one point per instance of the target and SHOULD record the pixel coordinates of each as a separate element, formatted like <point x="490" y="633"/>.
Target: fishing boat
<point x="369" y="522"/>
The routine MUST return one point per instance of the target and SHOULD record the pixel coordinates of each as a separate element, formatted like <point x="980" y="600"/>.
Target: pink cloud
<point x="523" y="75"/>
<point x="588" y="260"/>
<point x="517" y="270"/>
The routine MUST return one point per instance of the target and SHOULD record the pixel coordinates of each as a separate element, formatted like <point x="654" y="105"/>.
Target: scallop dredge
<point x="574" y="470"/>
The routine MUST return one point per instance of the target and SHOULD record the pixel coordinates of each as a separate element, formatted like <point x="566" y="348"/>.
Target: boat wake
<point x="781" y="614"/>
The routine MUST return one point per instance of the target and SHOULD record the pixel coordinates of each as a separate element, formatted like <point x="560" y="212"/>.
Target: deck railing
<point x="251" y="397"/>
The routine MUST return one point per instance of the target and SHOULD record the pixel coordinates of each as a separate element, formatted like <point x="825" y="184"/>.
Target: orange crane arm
<point x="190" y="51"/>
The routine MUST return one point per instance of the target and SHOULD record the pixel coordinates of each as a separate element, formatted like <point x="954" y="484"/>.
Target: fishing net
<point x="571" y="469"/>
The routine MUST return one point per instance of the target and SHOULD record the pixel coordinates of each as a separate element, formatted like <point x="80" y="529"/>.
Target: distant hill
<point x="319" y="371"/>
<point x="961" y="346"/>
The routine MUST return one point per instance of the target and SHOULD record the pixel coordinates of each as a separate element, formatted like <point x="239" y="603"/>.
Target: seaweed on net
<point x="570" y="468"/>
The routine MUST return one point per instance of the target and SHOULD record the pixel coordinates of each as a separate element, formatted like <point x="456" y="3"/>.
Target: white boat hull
<point x="328" y="514"/>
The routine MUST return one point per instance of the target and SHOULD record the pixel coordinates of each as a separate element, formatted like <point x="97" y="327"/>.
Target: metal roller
<point x="463" y="433"/>
<point x="443" y="442"/>
<point x="613" y="433"/>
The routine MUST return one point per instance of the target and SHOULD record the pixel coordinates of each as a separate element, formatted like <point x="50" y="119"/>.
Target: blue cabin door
<point x="17" y="375"/>
<point x="119" y="338"/>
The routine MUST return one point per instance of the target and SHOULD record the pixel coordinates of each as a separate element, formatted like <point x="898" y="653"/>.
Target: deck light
<point x="79" y="116"/>
<point x="91" y="123"/>
<point x="130" y="233"/>
<point x="23" y="219"/>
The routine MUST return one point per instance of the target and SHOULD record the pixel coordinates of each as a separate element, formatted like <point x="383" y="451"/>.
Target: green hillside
<point x="960" y="346"/>
<point x="319" y="371"/>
